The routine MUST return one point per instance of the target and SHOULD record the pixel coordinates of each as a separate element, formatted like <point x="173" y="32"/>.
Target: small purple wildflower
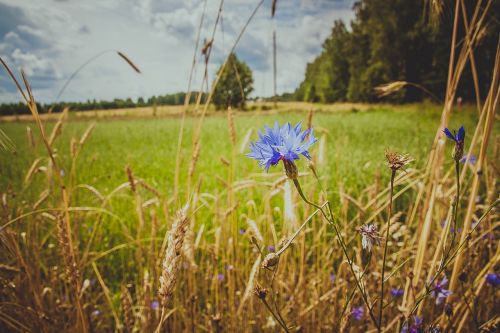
<point x="220" y="277"/>
<point x="284" y="143"/>
<point x="397" y="292"/>
<point x="416" y="328"/>
<point x="332" y="277"/>
<point x="439" y="292"/>
<point x="357" y="313"/>
<point x="271" y="248"/>
<point x="155" y="305"/>
<point x="242" y="231"/>
<point x="493" y="279"/>
<point x="471" y="160"/>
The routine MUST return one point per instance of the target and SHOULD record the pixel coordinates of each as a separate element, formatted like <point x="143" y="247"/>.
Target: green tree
<point x="235" y="84"/>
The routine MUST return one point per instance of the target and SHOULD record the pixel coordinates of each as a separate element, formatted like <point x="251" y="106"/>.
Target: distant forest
<point x="397" y="40"/>
<point x="169" y="99"/>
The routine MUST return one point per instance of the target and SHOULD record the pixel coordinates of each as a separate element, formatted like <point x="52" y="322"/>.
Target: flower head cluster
<point x="493" y="279"/>
<point x="458" y="138"/>
<point x="397" y="161"/>
<point x="439" y="292"/>
<point x="358" y="313"/>
<point x="285" y="144"/>
<point x="369" y="236"/>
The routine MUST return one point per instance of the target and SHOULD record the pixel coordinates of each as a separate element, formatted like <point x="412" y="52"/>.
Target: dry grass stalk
<point x="194" y="160"/>
<point x="232" y="128"/>
<point x="70" y="265"/>
<point x="172" y="258"/>
<point x="127" y="59"/>
<point x="31" y="139"/>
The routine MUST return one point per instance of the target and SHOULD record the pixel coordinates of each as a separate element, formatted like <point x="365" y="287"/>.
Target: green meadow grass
<point x="355" y="144"/>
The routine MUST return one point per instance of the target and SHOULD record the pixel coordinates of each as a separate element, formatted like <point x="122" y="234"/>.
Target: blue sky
<point x="49" y="39"/>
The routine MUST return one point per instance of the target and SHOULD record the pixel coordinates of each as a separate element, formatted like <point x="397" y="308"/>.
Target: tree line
<point x="396" y="40"/>
<point x="117" y="103"/>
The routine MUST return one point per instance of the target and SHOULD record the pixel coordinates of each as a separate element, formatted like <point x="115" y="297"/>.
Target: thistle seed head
<point x="370" y="236"/>
<point x="397" y="161"/>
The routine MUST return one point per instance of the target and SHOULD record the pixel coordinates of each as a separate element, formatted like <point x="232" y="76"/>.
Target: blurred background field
<point x="355" y="137"/>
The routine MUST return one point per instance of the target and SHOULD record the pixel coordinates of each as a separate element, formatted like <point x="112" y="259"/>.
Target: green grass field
<point x="354" y="147"/>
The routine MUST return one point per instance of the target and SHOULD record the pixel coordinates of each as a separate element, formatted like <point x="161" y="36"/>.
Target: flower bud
<point x="270" y="260"/>
<point x="291" y="169"/>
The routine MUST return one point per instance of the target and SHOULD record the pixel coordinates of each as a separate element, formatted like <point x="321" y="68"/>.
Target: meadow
<point x="119" y="178"/>
<point x="156" y="220"/>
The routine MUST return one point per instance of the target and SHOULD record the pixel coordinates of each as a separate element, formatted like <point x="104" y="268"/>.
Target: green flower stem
<point x="382" y="282"/>
<point x="329" y="218"/>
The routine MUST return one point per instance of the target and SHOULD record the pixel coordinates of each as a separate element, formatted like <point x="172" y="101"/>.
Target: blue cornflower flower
<point x="493" y="279"/>
<point x="285" y="144"/>
<point x="458" y="138"/>
<point x="357" y="313"/>
<point x="439" y="292"/>
<point x="397" y="292"/>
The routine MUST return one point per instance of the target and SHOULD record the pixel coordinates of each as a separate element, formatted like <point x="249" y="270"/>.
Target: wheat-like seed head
<point x="171" y="261"/>
<point x="128" y="313"/>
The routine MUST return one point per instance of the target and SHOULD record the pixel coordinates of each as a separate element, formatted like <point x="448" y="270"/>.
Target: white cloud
<point x="50" y="39"/>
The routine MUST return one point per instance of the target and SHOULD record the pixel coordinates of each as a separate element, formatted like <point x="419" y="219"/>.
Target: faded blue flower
<point x="358" y="313"/>
<point x="333" y="277"/>
<point x="220" y="277"/>
<point x="493" y="279"/>
<point x="284" y="143"/>
<point x="471" y="160"/>
<point x="439" y="292"/>
<point x="271" y="248"/>
<point x="242" y="231"/>
<point x="397" y="292"/>
<point x="155" y="305"/>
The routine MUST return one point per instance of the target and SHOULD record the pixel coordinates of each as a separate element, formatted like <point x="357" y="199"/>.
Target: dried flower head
<point x="370" y="236"/>
<point x="397" y="161"/>
<point x="260" y="292"/>
<point x="285" y="144"/>
<point x="459" y="139"/>
<point x="270" y="260"/>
